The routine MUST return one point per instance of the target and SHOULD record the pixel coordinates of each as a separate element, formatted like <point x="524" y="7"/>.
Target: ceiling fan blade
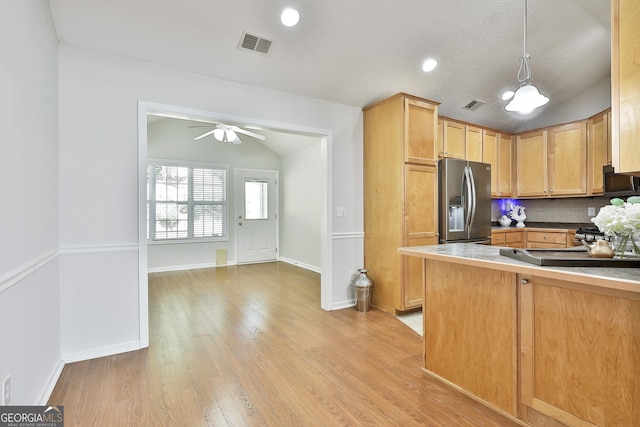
<point x="204" y="135"/>
<point x="248" y="133"/>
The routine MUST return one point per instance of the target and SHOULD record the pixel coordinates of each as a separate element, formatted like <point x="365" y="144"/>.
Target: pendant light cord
<point x="524" y="73"/>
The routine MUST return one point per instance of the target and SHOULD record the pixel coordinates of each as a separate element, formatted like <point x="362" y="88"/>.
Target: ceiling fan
<point x="228" y="133"/>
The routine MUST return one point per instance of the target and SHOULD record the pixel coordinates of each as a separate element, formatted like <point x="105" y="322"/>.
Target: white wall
<point x="173" y="139"/>
<point x="99" y="95"/>
<point x="301" y="186"/>
<point x="29" y="282"/>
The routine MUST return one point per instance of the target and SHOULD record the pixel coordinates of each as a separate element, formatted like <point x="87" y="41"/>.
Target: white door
<point x="256" y="215"/>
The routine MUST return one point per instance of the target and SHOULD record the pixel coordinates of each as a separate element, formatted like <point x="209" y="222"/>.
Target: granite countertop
<point x="626" y="279"/>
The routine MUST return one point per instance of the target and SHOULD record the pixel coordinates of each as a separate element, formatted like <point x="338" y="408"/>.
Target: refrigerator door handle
<point x="469" y="203"/>
<point x="473" y="198"/>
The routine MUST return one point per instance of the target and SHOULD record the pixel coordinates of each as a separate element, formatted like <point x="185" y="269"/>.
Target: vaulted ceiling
<point x="356" y="52"/>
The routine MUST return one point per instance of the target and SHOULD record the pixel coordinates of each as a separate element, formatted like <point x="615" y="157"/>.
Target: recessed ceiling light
<point x="429" y="65"/>
<point x="290" y="17"/>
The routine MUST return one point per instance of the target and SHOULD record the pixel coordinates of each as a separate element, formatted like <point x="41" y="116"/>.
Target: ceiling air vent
<point x="255" y="43"/>
<point x="474" y="105"/>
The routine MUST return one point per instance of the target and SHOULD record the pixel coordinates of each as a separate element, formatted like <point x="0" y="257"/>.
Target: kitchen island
<point x="543" y="345"/>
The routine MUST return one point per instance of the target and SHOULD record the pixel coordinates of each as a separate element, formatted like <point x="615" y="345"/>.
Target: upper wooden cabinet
<point x="453" y="139"/>
<point x="599" y="151"/>
<point x="625" y="85"/>
<point x="496" y="150"/>
<point x="400" y="196"/>
<point x="531" y="164"/>
<point x="420" y="131"/>
<point x="567" y="159"/>
<point x="552" y="162"/>
<point x="473" y="143"/>
<point x="505" y="176"/>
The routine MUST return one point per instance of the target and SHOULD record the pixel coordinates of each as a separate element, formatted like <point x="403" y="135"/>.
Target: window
<point x="186" y="201"/>
<point x="256" y="205"/>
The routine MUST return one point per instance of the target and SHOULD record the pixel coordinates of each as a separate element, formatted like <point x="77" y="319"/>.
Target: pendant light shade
<point x="527" y="97"/>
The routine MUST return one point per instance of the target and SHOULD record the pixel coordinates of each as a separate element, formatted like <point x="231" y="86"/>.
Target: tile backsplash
<point x="570" y="210"/>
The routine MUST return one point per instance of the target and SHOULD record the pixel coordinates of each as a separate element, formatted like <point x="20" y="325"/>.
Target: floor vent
<point x="255" y="43"/>
<point x="474" y="105"/>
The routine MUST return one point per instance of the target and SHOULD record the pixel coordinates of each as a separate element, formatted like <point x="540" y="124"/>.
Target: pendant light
<point x="527" y="97"/>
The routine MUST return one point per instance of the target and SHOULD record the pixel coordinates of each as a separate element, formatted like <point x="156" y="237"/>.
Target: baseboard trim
<point x="53" y="380"/>
<point x="301" y="264"/>
<point x="187" y="267"/>
<point x="101" y="352"/>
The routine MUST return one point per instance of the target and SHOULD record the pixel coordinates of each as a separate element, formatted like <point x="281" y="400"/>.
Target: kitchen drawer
<point x="513" y="237"/>
<point x="498" y="239"/>
<point x="536" y="245"/>
<point x="546" y="237"/>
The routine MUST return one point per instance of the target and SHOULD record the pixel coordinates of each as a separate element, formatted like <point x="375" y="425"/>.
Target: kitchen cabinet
<point x="453" y="139"/>
<point x="511" y="238"/>
<point x="470" y="329"/>
<point x="400" y="196"/>
<point x="567" y="158"/>
<point x="531" y="164"/>
<point x="543" y="346"/>
<point x="473" y="143"/>
<point x="546" y="239"/>
<point x="579" y="354"/>
<point x="599" y="146"/>
<point x="496" y="150"/>
<point x="552" y="162"/>
<point x="625" y="89"/>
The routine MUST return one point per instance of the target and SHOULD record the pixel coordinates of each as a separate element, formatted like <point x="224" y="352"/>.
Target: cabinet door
<point x="420" y="225"/>
<point x="453" y="139"/>
<point x="504" y="167"/>
<point x="579" y="354"/>
<point x="567" y="162"/>
<point x="470" y="334"/>
<point x="625" y="90"/>
<point x="531" y="164"/>
<point x="598" y="145"/>
<point x="420" y="132"/>
<point x="473" y="143"/>
<point x="490" y="155"/>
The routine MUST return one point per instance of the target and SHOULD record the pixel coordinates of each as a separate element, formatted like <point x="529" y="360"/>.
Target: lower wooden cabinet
<point x="579" y="357"/>
<point x="546" y="239"/>
<point x="547" y="351"/>
<point x="534" y="238"/>
<point x="512" y="238"/>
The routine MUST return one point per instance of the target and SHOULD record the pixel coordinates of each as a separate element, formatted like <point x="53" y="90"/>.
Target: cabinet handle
<point x="524" y="281"/>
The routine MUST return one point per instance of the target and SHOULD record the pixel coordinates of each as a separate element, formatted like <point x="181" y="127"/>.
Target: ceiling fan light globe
<point x="218" y="134"/>
<point x="526" y="99"/>
<point x="230" y="136"/>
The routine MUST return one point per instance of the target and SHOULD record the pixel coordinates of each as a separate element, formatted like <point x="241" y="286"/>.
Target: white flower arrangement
<point x="621" y="219"/>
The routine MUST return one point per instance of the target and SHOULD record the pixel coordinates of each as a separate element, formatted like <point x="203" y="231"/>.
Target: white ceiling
<point x="356" y="52"/>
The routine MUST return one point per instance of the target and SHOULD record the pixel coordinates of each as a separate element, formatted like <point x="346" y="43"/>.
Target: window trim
<point x="152" y="161"/>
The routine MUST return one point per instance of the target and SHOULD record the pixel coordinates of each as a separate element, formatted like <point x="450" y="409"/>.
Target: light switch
<point x="341" y="211"/>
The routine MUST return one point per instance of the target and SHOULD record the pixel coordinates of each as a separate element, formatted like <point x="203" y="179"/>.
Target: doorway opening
<point x="146" y="109"/>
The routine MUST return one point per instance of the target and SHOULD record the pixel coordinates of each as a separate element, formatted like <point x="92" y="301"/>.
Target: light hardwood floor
<point x="249" y="345"/>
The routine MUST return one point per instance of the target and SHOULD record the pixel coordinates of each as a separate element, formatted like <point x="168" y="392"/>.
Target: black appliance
<point x="619" y="185"/>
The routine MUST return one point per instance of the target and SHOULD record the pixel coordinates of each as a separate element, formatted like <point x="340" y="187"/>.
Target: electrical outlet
<point x="591" y="211"/>
<point x="6" y="391"/>
<point x="341" y="211"/>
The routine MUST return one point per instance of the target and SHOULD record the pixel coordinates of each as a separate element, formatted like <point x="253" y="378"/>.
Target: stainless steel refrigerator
<point x="465" y="201"/>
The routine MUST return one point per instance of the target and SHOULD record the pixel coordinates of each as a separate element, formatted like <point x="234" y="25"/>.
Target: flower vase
<point x="625" y="245"/>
